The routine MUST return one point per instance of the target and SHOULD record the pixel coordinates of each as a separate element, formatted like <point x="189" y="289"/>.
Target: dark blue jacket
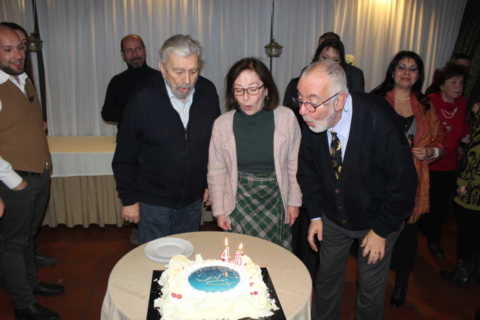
<point x="378" y="182"/>
<point x="157" y="161"/>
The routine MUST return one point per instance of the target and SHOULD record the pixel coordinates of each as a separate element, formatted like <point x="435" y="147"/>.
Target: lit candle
<point x="238" y="255"/>
<point x="225" y="255"/>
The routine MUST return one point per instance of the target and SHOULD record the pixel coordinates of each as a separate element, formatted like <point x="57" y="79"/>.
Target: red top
<point x="452" y="116"/>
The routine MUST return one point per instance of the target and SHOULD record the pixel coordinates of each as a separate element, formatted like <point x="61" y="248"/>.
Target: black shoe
<point x="436" y="251"/>
<point x="476" y="270"/>
<point x="48" y="289"/>
<point x="36" y="312"/>
<point x="461" y="276"/>
<point x="399" y="293"/>
<point x="44" y="261"/>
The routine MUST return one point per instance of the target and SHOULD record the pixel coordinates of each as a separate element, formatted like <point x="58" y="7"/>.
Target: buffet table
<point x="128" y="286"/>
<point x="83" y="188"/>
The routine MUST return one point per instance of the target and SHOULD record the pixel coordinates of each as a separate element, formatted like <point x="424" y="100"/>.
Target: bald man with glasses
<point x="358" y="182"/>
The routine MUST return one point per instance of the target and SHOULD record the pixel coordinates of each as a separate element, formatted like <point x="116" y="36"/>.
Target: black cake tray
<point x="155" y="292"/>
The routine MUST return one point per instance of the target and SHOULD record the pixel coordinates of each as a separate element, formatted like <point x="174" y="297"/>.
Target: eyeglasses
<point x="250" y="90"/>
<point x="312" y="107"/>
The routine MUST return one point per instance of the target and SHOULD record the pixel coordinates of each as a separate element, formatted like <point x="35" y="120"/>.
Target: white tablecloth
<point x="128" y="287"/>
<point x="83" y="189"/>
<point x="81" y="156"/>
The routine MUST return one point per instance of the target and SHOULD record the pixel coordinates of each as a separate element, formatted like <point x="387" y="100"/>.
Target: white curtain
<point x="82" y="49"/>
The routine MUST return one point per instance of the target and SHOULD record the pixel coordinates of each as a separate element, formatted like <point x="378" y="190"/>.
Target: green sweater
<point x="470" y="175"/>
<point x="254" y="141"/>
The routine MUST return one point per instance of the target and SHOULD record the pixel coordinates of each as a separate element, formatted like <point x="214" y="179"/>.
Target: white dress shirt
<point x="181" y="106"/>
<point x="342" y="128"/>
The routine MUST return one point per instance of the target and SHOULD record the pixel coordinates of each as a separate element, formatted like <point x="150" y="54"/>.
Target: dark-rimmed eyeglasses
<point x="250" y="90"/>
<point x="312" y="107"/>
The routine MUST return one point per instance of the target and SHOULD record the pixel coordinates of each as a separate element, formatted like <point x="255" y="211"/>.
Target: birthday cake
<point x="213" y="290"/>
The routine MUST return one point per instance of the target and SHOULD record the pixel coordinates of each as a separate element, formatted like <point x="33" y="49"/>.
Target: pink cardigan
<point x="223" y="168"/>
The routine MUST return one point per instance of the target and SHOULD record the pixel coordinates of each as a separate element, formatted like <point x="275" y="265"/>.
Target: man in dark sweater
<point x="358" y="182"/>
<point x="160" y="163"/>
<point x="125" y="85"/>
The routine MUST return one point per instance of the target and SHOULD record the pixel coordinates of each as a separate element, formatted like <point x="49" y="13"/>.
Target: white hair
<point x="180" y="44"/>
<point x="333" y="70"/>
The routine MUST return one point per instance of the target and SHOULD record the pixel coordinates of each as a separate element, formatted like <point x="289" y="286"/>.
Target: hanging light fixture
<point x="34" y="42"/>
<point x="273" y="49"/>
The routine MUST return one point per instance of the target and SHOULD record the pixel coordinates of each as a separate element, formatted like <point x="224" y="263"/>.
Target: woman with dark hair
<point x="331" y="49"/>
<point x="402" y="90"/>
<point x="334" y="50"/>
<point x="451" y="109"/>
<point x="253" y="155"/>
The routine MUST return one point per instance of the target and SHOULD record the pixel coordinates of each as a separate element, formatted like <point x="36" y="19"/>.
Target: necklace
<point x="449" y="114"/>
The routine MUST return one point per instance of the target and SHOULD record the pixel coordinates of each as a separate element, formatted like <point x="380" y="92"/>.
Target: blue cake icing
<point x="214" y="279"/>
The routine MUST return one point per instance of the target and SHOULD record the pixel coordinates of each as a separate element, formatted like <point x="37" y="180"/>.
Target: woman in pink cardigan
<point x="253" y="155"/>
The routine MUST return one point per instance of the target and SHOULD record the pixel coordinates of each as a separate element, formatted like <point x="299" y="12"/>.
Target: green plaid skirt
<point x="259" y="211"/>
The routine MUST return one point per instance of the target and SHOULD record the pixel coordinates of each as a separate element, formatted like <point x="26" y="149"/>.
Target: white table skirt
<point x="83" y="188"/>
<point x="128" y="286"/>
<point x="81" y="156"/>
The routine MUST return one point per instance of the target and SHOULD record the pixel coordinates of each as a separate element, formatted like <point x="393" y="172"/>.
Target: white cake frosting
<point x="180" y="301"/>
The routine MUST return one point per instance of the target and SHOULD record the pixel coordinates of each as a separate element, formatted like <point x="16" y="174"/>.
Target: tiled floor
<point x="86" y="256"/>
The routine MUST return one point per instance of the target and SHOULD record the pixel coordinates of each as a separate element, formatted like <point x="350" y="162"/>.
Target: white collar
<point x="4" y="77"/>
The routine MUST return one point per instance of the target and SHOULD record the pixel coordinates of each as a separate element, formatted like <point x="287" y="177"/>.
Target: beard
<point x="11" y="71"/>
<point x="319" y="126"/>
<point x="181" y="94"/>
<point x="136" y="62"/>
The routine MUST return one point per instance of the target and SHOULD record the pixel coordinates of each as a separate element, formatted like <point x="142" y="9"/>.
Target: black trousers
<point x="442" y="188"/>
<point x="468" y="236"/>
<point x="24" y="212"/>
<point x="405" y="251"/>
<point x="334" y="253"/>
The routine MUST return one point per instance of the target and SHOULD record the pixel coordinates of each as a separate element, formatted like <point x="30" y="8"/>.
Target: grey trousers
<point x="329" y="284"/>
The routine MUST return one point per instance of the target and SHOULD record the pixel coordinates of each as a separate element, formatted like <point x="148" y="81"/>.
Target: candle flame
<point x="226" y="241"/>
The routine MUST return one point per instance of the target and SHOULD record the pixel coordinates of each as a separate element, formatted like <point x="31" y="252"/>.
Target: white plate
<point x="161" y="250"/>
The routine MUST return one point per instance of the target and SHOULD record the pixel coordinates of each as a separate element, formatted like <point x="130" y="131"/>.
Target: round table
<point x="129" y="282"/>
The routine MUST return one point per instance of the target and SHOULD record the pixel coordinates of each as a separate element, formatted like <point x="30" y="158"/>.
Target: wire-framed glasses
<point x="311" y="106"/>
<point x="250" y="90"/>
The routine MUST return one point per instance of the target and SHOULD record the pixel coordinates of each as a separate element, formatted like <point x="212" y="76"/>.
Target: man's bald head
<point x="12" y="51"/>
<point x="322" y="92"/>
<point x="327" y="71"/>
<point x="4" y="29"/>
<point x="133" y="50"/>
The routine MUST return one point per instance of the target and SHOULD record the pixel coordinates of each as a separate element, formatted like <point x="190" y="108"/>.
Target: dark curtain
<point x="468" y="42"/>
